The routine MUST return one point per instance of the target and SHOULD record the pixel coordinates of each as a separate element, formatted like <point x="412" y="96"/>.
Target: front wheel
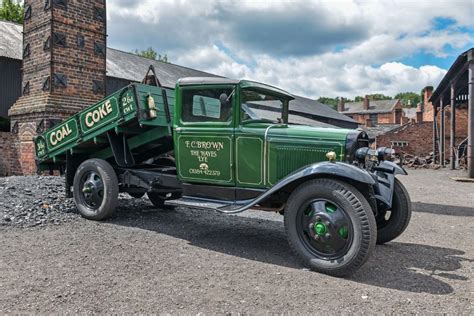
<point x="95" y="189"/>
<point x="330" y="226"/>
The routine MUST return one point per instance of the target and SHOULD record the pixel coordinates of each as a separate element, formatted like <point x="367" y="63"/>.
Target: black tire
<point x="351" y="206"/>
<point x="95" y="189"/>
<point x="136" y="195"/>
<point x="392" y="223"/>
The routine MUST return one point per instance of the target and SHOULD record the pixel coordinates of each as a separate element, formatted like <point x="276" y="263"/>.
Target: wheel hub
<point x="320" y="229"/>
<point x="327" y="228"/>
<point x="93" y="190"/>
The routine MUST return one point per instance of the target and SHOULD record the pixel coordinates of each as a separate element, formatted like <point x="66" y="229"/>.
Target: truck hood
<point x="310" y="132"/>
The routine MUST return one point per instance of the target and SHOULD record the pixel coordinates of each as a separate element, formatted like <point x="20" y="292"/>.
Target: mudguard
<point x="338" y="169"/>
<point x="396" y="168"/>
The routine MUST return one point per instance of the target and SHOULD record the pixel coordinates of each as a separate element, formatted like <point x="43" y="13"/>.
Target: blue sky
<point x="312" y="47"/>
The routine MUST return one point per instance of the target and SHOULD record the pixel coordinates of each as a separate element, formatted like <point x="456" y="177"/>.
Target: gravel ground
<point x="179" y="260"/>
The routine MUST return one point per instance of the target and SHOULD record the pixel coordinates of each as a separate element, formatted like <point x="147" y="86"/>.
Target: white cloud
<point x="314" y="48"/>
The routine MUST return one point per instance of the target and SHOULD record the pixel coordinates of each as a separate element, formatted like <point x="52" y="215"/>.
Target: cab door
<point x="204" y="135"/>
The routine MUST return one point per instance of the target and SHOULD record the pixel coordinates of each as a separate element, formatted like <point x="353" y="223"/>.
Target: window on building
<point x="374" y="119"/>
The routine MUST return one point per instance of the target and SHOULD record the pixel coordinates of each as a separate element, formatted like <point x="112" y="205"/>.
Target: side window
<point x="207" y="107"/>
<point x="204" y="105"/>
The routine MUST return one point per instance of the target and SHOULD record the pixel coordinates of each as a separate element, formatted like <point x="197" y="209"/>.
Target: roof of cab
<point x="244" y="84"/>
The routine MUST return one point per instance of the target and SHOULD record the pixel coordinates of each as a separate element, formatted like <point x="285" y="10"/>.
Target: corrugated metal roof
<point x="11" y="40"/>
<point x="375" y="106"/>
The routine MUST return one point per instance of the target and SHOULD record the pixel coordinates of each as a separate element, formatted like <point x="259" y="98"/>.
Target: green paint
<point x="62" y="134"/>
<point x="330" y="208"/>
<point x="320" y="229"/>
<point x="40" y="147"/>
<point x="205" y="158"/>
<point x="343" y="232"/>
<point x="99" y="115"/>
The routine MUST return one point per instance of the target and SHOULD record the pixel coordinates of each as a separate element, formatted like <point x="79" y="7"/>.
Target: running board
<point x="219" y="206"/>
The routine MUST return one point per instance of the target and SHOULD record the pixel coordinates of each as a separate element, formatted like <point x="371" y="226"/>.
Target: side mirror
<point x="224" y="99"/>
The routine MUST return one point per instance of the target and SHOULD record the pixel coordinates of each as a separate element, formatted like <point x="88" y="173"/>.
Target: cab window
<point x="204" y="105"/>
<point x="260" y="106"/>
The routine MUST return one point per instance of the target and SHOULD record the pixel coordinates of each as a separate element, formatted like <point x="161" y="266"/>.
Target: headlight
<point x="379" y="154"/>
<point x="384" y="153"/>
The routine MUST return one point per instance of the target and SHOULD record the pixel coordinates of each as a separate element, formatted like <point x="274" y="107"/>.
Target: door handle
<point x="178" y="129"/>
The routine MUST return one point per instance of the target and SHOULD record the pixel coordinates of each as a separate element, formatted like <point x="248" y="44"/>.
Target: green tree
<point x="332" y="102"/>
<point x="11" y="11"/>
<point x="152" y="54"/>
<point x="375" y="96"/>
<point x="408" y="99"/>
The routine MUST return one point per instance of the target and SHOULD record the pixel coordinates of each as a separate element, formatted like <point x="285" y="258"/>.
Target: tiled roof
<point x="375" y="106"/>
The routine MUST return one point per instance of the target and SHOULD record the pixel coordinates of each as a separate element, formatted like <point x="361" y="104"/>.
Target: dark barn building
<point x="10" y="66"/>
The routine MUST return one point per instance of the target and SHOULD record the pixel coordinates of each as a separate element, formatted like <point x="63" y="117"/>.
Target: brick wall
<point x="419" y="136"/>
<point x="64" y="68"/>
<point x="5" y="143"/>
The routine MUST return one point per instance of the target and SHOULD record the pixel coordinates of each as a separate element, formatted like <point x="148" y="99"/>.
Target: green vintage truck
<point x="205" y="144"/>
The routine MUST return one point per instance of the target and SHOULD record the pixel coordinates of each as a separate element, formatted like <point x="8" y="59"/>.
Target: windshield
<point x="260" y="106"/>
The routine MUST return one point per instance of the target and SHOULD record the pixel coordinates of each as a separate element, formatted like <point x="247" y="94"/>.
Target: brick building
<point x="373" y="112"/>
<point x="436" y="130"/>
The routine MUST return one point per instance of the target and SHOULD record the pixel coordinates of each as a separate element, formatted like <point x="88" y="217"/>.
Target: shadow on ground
<point x="407" y="267"/>
<point x="440" y="209"/>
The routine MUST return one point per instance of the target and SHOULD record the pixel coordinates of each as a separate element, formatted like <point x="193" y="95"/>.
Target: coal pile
<point x="33" y="201"/>
<point x="418" y="162"/>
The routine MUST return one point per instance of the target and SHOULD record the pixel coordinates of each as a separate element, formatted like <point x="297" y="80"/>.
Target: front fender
<point x="391" y="165"/>
<point x="331" y="169"/>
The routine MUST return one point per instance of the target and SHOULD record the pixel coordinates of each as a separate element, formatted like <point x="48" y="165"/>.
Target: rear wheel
<point x="393" y="222"/>
<point x="330" y="226"/>
<point x="95" y="189"/>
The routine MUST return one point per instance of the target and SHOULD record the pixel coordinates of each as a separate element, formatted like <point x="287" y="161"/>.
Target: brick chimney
<point x="419" y="114"/>
<point x="64" y="67"/>
<point x="426" y="105"/>
<point x="427" y="93"/>
<point x="366" y="103"/>
<point x="340" y="105"/>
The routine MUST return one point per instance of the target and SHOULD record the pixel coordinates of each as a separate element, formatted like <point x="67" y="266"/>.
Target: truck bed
<point x="141" y="114"/>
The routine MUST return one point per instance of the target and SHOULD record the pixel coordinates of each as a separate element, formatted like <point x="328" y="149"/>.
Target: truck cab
<point x="236" y="135"/>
